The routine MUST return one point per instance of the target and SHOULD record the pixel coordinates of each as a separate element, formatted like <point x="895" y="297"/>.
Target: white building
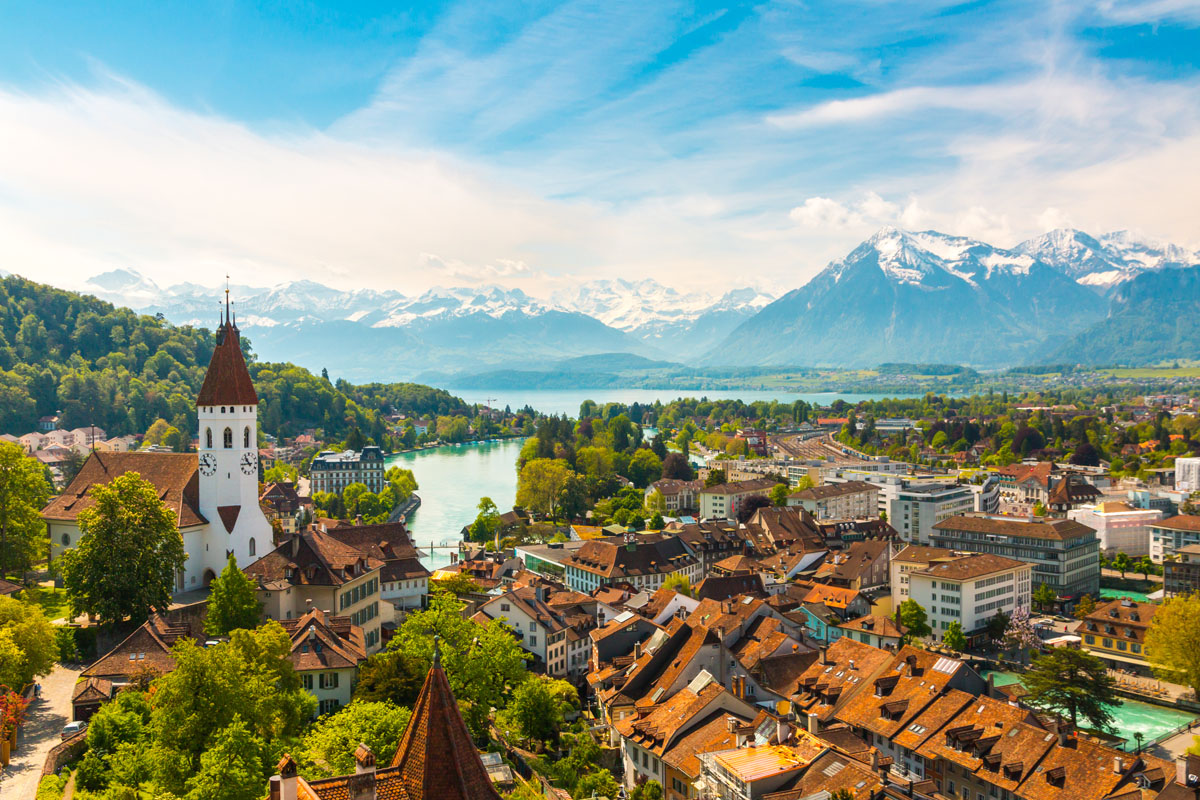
<point x="970" y="590"/>
<point x="1187" y="474"/>
<point x="849" y="500"/>
<point x="643" y="561"/>
<point x="1167" y="536"/>
<point x="1120" y="527"/>
<point x="724" y="500"/>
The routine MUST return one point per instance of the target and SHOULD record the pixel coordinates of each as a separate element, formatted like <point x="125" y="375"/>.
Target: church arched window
<point x="228" y="438"/>
<point x="208" y="438"/>
<point x="251" y="546"/>
<point x="246" y="436"/>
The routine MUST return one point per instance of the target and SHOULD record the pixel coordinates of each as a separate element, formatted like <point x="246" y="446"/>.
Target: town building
<point x="313" y="569"/>
<point x="849" y="500"/>
<point x="333" y="472"/>
<point x="1182" y="576"/>
<point x="325" y="653"/>
<point x="551" y="635"/>
<point x="916" y="507"/>
<point x="1169" y="536"/>
<point x="1120" y="527"/>
<point x="970" y="590"/>
<point x="282" y="505"/>
<point x="912" y="558"/>
<point x="724" y="500"/>
<point x="213" y="493"/>
<point x="1187" y="474"/>
<point x="643" y="561"/>
<point x="677" y="495"/>
<point x="878" y="631"/>
<point x="403" y="579"/>
<point x="1116" y="632"/>
<point x="1064" y="553"/>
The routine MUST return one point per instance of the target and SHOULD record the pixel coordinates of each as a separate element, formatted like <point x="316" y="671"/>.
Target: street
<point x="40" y="734"/>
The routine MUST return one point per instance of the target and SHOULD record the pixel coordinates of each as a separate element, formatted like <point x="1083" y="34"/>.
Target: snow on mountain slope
<point x="1108" y="260"/>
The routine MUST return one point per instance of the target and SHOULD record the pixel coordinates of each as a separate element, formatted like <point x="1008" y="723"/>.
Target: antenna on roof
<point x="227" y="318"/>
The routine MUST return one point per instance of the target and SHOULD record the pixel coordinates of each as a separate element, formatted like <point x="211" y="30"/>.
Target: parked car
<point x="72" y="728"/>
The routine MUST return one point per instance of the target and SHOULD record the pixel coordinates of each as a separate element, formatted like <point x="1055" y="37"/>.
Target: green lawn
<point x="53" y="602"/>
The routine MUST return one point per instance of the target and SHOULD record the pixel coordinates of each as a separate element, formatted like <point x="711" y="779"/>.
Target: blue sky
<point x="536" y="144"/>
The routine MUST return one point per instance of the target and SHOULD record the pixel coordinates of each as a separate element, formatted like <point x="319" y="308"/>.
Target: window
<point x="329" y="680"/>
<point x="251" y="545"/>
<point x="228" y="438"/>
<point x="66" y="540"/>
<point x="208" y="438"/>
<point x="246" y="436"/>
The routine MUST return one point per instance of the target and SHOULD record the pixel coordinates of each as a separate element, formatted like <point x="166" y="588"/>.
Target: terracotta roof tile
<point x="174" y="475"/>
<point x="227" y="381"/>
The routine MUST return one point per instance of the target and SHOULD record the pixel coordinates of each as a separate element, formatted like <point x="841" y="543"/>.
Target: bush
<point x="85" y="643"/>
<point x="64" y="639"/>
<point x="92" y="773"/>
<point x="51" y="787"/>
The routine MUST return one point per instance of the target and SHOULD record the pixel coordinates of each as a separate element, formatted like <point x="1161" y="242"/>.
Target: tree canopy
<point x="1075" y="683"/>
<point x="128" y="554"/>
<point x="27" y="644"/>
<point x="232" y="602"/>
<point x="23" y="492"/>
<point x="1171" y="640"/>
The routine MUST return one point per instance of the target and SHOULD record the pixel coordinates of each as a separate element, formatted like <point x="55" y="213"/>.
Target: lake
<point x="567" y="401"/>
<point x="451" y="481"/>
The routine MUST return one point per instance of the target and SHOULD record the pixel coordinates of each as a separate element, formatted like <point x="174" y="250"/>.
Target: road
<point x="40" y="733"/>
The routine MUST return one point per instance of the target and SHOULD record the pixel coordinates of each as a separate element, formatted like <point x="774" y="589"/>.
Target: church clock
<point x="249" y="464"/>
<point x="208" y="465"/>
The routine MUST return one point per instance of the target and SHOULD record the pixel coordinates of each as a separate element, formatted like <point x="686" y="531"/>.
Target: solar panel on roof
<point x="946" y="665"/>
<point x="834" y="768"/>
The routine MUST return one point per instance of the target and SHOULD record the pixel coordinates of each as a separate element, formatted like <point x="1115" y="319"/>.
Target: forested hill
<point x="111" y="367"/>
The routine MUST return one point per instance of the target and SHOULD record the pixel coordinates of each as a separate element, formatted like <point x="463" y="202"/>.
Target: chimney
<point x="875" y="760"/>
<point x="287" y="779"/>
<point x="813" y="724"/>
<point x="782" y="731"/>
<point x="295" y="545"/>
<point x="822" y="655"/>
<point x="991" y="679"/>
<point x="1118" y="765"/>
<point x="743" y="737"/>
<point x="731" y="724"/>
<point x="276" y="788"/>
<point x="358" y="519"/>
<point x="637" y="650"/>
<point x="362" y="783"/>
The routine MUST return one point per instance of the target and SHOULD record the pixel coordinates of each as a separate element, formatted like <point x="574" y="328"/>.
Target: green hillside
<point x="111" y="367"/>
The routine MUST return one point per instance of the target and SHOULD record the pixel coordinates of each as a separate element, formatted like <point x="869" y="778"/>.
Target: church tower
<point x="227" y="407"/>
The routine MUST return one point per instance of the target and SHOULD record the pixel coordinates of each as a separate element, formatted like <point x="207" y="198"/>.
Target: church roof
<point x="173" y="475"/>
<point x="435" y="738"/>
<point x="227" y="381"/>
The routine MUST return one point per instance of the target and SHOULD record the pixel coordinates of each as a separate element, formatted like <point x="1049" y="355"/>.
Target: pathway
<point x="40" y="734"/>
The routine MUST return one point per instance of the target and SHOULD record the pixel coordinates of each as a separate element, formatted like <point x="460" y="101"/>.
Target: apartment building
<point x="1120" y="527"/>
<point x="916" y="508"/>
<point x="912" y="558"/>
<point x="1116" y="632"/>
<point x="1182" y="576"/>
<point x="643" y="561"/>
<point x="724" y="500"/>
<point x="970" y="590"/>
<point x="849" y="500"/>
<point x="1169" y="536"/>
<point x="1064" y="553"/>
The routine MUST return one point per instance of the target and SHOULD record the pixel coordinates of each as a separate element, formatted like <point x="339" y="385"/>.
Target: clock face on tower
<point x="208" y="465"/>
<point x="249" y="464"/>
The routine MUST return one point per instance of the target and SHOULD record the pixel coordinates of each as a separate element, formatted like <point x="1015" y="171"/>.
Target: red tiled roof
<point x="173" y="475"/>
<point x="436" y="757"/>
<point x="227" y="381"/>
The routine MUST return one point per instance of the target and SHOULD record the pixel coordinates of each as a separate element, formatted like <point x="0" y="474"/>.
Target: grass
<point x="1155" y="372"/>
<point x="53" y="602"/>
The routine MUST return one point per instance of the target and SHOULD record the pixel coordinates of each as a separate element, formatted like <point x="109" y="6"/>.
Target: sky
<point x="540" y="145"/>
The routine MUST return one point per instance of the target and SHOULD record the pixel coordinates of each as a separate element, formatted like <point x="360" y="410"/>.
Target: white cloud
<point x="821" y="212"/>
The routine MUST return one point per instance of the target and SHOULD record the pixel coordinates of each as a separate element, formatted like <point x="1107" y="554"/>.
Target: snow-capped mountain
<point x="915" y="297"/>
<point x="1107" y="261"/>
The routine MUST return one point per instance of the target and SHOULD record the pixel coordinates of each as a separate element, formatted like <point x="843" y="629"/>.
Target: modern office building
<point x="1120" y="527"/>
<point x="1169" y="536"/>
<point x="970" y="590"/>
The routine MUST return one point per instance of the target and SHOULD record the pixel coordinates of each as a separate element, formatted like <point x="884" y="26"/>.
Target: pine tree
<point x="232" y="603"/>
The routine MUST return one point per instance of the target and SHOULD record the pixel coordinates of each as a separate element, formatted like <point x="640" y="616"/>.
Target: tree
<point x="483" y="663"/>
<point x="779" y="494"/>
<point x="1019" y="635"/>
<point x="656" y="522"/>
<point x="954" y="638"/>
<point x="750" y="505"/>
<point x="386" y="677"/>
<point x="1074" y="682"/>
<point x="329" y="745"/>
<point x="458" y="585"/>
<point x="1044" y="597"/>
<point x="23" y="493"/>
<point x="656" y="502"/>
<point x="996" y="625"/>
<point x="1122" y="563"/>
<point x="912" y="616"/>
<point x="128" y="554"/>
<point x="27" y="643"/>
<point x="232" y="768"/>
<point x="600" y="783"/>
<point x="487" y="521"/>
<point x="644" y="468"/>
<point x="534" y="713"/>
<point x="1085" y="455"/>
<point x="679" y="582"/>
<point x="715" y="478"/>
<point x="232" y="603"/>
<point x="805" y="482"/>
<point x="540" y="484"/>
<point x="1085" y="606"/>
<point x="676" y="467"/>
<point x="650" y="790"/>
<point x="1144" y="566"/>
<point x="1171" y="640"/>
<point x="248" y="678"/>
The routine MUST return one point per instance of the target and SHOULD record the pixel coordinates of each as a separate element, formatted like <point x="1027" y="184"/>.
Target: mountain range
<point x="899" y="296"/>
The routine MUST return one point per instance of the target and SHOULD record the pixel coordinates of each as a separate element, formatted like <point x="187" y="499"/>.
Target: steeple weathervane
<point x="227" y="317"/>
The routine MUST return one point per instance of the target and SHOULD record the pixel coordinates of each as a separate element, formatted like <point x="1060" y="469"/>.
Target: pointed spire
<point x="227" y="381"/>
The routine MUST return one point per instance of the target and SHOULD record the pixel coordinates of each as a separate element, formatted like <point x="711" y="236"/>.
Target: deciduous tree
<point x="779" y="494"/>
<point x="27" y="644"/>
<point x="23" y="493"/>
<point x="1044" y="596"/>
<point x="540" y="484"/>
<point x="954" y="638"/>
<point x="232" y="602"/>
<point x="913" y="617"/>
<point x="329" y="745"/>
<point x="128" y="554"/>
<point x="1171" y="641"/>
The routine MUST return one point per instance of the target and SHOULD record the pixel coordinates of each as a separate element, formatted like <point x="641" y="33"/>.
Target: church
<point x="213" y="492"/>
